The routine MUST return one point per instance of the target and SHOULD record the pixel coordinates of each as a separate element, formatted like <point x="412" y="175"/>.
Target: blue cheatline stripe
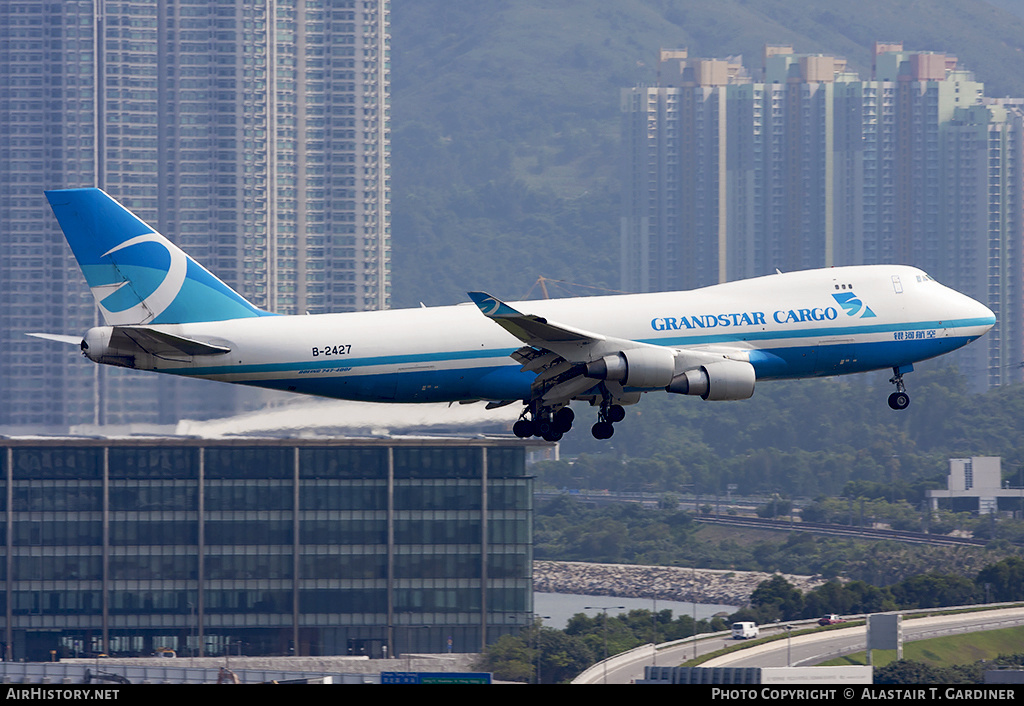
<point x="817" y="332"/>
<point x="440" y="357"/>
<point x="347" y="363"/>
<point x="506" y="381"/>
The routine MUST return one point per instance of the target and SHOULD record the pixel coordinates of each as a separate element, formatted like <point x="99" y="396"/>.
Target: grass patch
<point x="946" y="651"/>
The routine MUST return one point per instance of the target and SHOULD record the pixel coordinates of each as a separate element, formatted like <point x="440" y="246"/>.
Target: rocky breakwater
<point x="661" y="582"/>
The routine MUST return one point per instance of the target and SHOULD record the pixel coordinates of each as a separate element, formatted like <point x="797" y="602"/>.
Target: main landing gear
<point x="544" y="422"/>
<point x="899" y="399"/>
<point x="609" y="414"/>
<point x="550" y="424"/>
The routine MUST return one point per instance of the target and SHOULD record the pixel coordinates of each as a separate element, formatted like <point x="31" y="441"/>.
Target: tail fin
<point x="137" y="275"/>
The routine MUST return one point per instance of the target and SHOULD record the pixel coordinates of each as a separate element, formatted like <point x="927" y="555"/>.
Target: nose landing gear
<point x="899" y="399"/>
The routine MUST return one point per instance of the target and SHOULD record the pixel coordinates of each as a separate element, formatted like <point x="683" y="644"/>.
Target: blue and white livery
<point x="164" y="312"/>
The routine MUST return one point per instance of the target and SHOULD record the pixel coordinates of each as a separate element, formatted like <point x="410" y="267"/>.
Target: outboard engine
<point x="723" y="380"/>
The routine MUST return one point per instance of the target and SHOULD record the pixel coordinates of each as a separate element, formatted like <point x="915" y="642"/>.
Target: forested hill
<point x="803" y="438"/>
<point x="505" y="123"/>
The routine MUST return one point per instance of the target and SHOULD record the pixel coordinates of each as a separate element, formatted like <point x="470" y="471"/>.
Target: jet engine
<point x="723" y="380"/>
<point x="637" y="367"/>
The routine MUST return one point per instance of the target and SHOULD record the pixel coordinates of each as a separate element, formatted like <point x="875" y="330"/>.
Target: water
<point x="557" y="608"/>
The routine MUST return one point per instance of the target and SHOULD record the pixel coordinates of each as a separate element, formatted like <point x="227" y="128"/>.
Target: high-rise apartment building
<point x="808" y="165"/>
<point x="983" y="218"/>
<point x="673" y="227"/>
<point x="253" y="133"/>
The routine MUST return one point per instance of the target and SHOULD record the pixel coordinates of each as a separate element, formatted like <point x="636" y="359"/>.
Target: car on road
<point x="744" y="630"/>
<point x="830" y="619"/>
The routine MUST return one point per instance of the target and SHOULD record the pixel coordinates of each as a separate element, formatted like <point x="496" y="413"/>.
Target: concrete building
<point x="263" y="547"/>
<point x="255" y="135"/>
<point x="975" y="485"/>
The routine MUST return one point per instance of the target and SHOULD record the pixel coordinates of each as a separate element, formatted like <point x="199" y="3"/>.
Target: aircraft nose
<point x="978" y="314"/>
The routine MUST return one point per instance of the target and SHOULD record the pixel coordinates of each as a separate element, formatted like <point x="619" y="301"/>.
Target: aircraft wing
<point x="572" y="363"/>
<point x="559" y="354"/>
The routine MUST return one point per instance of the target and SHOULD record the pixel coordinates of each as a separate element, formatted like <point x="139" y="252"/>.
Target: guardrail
<point x="595" y="674"/>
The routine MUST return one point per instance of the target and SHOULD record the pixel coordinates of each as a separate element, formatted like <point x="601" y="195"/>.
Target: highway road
<point x="799" y="651"/>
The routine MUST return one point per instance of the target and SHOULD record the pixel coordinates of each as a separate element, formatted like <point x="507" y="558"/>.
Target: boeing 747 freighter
<point x="166" y="313"/>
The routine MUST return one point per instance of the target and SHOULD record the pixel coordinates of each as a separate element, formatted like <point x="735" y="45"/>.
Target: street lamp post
<point x="538" y="621"/>
<point x="789" y="644"/>
<point x="604" y="610"/>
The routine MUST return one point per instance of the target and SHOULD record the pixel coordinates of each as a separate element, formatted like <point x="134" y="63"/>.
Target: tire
<point x="899" y="400"/>
<point x="523" y="429"/>
<point x="564" y="419"/>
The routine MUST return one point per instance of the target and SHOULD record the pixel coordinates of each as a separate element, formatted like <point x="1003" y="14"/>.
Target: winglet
<point x="529" y="328"/>
<point x="492" y="307"/>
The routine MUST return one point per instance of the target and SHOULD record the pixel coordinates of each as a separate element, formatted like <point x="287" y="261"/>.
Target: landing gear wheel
<point x="563" y="419"/>
<point x="544" y="427"/>
<point x="523" y="429"/>
<point x="602" y="430"/>
<point x="616" y="413"/>
<point x="552" y="435"/>
<point x="899" y="400"/>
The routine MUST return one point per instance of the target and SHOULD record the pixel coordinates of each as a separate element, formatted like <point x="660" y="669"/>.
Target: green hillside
<point x="505" y="124"/>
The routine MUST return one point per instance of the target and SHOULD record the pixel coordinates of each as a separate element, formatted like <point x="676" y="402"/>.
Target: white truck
<point x="744" y="631"/>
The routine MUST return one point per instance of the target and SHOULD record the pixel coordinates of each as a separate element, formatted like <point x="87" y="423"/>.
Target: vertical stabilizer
<point x="137" y="275"/>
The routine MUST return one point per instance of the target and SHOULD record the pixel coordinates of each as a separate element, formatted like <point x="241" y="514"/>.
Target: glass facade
<point x="263" y="546"/>
<point x="254" y="134"/>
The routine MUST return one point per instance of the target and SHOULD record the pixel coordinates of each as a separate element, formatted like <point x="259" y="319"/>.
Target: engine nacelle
<point x="644" y="368"/>
<point x="724" y="380"/>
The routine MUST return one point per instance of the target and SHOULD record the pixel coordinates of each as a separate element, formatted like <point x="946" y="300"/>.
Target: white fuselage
<point x="801" y="324"/>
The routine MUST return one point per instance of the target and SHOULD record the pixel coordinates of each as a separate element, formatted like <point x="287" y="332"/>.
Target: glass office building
<point x="259" y="546"/>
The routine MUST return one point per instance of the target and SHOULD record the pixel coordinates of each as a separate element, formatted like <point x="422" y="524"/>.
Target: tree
<point x="933" y="590"/>
<point x="1002" y="581"/>
<point x="910" y="672"/>
<point x="509" y="658"/>
<point x="777" y="599"/>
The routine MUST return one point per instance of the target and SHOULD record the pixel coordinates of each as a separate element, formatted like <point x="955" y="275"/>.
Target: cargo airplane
<point x="166" y="313"/>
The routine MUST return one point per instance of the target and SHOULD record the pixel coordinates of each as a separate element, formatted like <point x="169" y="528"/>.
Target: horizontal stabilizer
<point x="58" y="337"/>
